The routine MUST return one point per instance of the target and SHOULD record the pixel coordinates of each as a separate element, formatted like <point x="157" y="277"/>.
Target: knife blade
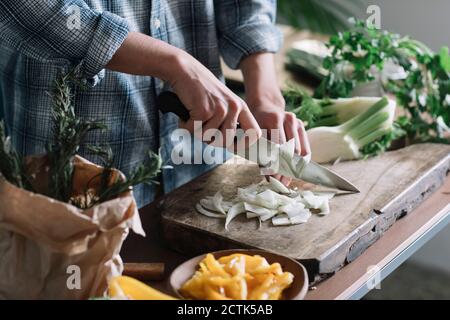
<point x="262" y="152"/>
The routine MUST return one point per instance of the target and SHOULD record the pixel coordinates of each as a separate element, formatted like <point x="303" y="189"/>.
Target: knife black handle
<point x="168" y="101"/>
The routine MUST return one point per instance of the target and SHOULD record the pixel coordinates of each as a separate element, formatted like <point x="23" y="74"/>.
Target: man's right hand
<point x="210" y="101"/>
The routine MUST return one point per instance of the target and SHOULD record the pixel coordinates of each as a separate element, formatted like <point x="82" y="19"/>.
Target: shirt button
<point x="157" y="23"/>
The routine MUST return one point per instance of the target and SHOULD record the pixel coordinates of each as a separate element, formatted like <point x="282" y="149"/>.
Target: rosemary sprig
<point x="68" y="133"/>
<point x="105" y="153"/>
<point x="144" y="173"/>
<point x="11" y="163"/>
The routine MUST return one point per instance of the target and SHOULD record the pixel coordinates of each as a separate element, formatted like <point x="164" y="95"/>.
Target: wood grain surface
<point x="391" y="186"/>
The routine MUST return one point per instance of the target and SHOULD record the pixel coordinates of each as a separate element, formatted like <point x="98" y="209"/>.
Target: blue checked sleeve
<point x="246" y="27"/>
<point x="69" y="30"/>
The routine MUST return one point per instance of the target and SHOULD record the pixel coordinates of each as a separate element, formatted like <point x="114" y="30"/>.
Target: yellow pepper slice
<point x="134" y="289"/>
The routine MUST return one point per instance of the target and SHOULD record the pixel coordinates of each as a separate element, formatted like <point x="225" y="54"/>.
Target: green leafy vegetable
<point x="303" y="105"/>
<point x="361" y="53"/>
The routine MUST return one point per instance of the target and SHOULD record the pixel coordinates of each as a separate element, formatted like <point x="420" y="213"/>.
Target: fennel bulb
<point x="345" y="141"/>
<point x="338" y="111"/>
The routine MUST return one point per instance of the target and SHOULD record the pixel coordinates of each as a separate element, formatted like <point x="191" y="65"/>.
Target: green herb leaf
<point x="444" y="58"/>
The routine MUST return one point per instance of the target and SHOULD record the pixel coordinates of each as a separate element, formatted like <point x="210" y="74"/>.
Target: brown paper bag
<point x="54" y="250"/>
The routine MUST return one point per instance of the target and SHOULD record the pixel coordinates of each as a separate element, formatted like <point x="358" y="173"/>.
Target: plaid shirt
<point x="41" y="38"/>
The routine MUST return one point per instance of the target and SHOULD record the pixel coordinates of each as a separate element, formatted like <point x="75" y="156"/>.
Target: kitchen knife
<point x="296" y="168"/>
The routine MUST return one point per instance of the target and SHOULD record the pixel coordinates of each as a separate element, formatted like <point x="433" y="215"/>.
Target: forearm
<point x="264" y="99"/>
<point x="260" y="80"/>
<point x="143" y="55"/>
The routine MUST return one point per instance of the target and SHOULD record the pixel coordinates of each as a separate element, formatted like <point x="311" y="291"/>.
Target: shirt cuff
<point x="249" y="39"/>
<point x="111" y="32"/>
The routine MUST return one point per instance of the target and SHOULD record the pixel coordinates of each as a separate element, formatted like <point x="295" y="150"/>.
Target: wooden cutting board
<point x="391" y="186"/>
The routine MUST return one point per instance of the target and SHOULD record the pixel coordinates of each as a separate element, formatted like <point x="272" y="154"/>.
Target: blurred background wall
<point x="428" y="21"/>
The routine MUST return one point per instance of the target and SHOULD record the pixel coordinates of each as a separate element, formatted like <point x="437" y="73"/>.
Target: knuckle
<point x="290" y="117"/>
<point x="233" y="107"/>
<point x="206" y="114"/>
<point x="301" y="124"/>
<point x="277" y="117"/>
<point x="220" y="110"/>
<point x="236" y="106"/>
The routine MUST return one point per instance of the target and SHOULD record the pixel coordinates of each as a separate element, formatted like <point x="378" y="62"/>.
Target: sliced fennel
<point x="208" y="213"/>
<point x="294" y="209"/>
<point x="234" y="211"/>
<point x="251" y="215"/>
<point x="260" y="211"/>
<point x="217" y="202"/>
<point x="285" y="207"/>
<point x="209" y="204"/>
<point x="284" y="220"/>
<point x="277" y="186"/>
<point x="285" y="163"/>
<point x="346" y="140"/>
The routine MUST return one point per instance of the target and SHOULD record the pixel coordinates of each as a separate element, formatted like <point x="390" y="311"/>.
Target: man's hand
<point x="210" y="101"/>
<point x="266" y="102"/>
<point x="285" y="125"/>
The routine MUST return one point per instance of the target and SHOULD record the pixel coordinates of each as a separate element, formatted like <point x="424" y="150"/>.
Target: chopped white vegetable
<point x="313" y="201"/>
<point x="283" y="200"/>
<point x="208" y="213"/>
<point x="268" y="216"/>
<point x="282" y="220"/>
<point x="235" y="210"/>
<point x="277" y="186"/>
<point x="264" y="199"/>
<point x="324" y="208"/>
<point x="208" y="204"/>
<point x="307" y="193"/>
<point x="217" y="200"/>
<point x="267" y="200"/>
<point x="251" y="215"/>
<point x="294" y="209"/>
<point x="288" y="147"/>
<point x="301" y="218"/>
<point x="260" y="211"/>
